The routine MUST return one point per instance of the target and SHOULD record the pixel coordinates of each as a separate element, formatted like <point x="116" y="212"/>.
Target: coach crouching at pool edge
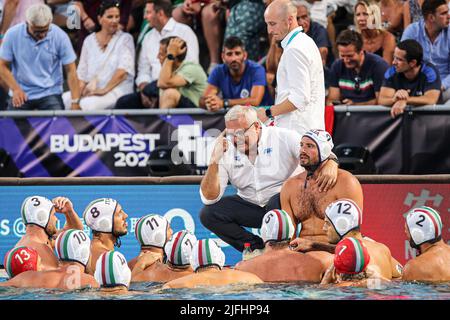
<point x="256" y="160"/>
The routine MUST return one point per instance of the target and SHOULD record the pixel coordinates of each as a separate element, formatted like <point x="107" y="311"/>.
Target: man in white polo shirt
<point x="256" y="160"/>
<point x="159" y="16"/>
<point x="300" y="99"/>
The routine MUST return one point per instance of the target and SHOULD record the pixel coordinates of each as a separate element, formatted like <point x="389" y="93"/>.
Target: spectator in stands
<point x="357" y="76"/>
<point x="410" y="81"/>
<point x="61" y="10"/>
<point x="14" y="13"/>
<point x="36" y="51"/>
<point x="392" y="16"/>
<point x="182" y="83"/>
<point x="375" y="39"/>
<point x="313" y="29"/>
<point x="240" y="81"/>
<point x="246" y="21"/>
<point x="212" y="16"/>
<point x="412" y="12"/>
<point x="433" y="35"/>
<point x="106" y="67"/>
<point x="158" y="15"/>
<point x="89" y="20"/>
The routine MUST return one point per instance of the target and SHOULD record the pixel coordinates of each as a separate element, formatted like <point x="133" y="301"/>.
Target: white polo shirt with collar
<point x="277" y="160"/>
<point x="149" y="66"/>
<point x="300" y="79"/>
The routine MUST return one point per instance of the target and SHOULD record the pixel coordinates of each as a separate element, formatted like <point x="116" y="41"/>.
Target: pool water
<point x="268" y="291"/>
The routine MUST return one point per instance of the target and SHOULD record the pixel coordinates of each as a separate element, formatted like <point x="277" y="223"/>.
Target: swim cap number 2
<point x="419" y="223"/>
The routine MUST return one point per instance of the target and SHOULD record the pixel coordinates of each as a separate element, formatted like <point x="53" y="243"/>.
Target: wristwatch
<point x="75" y="101"/>
<point x="226" y="104"/>
<point x="269" y="113"/>
<point x="170" y="57"/>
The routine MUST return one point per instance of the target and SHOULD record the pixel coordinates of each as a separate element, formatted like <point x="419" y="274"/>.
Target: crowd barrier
<point x="386" y="201"/>
<point x="120" y="142"/>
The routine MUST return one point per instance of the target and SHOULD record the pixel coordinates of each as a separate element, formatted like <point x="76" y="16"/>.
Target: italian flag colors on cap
<point x="62" y="245"/>
<point x="107" y="266"/>
<point x="285" y="227"/>
<point x="182" y="242"/>
<point x="207" y="253"/>
<point x="434" y="216"/>
<point x="20" y="259"/>
<point x="351" y="256"/>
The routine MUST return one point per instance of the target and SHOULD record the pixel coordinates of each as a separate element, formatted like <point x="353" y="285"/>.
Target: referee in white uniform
<point x="300" y="98"/>
<point x="256" y="160"/>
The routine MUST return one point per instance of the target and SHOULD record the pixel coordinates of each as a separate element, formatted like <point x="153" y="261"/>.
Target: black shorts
<point x="185" y="103"/>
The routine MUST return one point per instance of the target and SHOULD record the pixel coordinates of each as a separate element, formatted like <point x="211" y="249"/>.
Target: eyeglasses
<point x="357" y="85"/>
<point x="238" y="133"/>
<point x="38" y="33"/>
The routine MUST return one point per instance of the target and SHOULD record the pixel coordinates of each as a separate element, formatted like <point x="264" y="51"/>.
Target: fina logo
<point x="245" y="93"/>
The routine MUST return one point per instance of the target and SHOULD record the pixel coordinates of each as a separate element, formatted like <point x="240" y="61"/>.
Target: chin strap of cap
<point x="118" y="242"/>
<point x="310" y="170"/>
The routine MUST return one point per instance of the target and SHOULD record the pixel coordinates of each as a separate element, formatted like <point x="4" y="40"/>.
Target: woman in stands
<point x="106" y="67"/>
<point x="375" y="39"/>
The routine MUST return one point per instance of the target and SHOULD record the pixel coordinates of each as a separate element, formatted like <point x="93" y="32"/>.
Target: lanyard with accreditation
<point x="272" y="123"/>
<point x="293" y="36"/>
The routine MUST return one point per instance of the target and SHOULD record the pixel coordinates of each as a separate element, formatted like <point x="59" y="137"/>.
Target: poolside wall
<point x="386" y="200"/>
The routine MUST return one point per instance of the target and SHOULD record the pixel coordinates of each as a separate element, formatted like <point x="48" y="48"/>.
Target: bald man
<point x="299" y="103"/>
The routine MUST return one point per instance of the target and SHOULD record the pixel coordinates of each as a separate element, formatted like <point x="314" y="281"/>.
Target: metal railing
<point x="193" y="111"/>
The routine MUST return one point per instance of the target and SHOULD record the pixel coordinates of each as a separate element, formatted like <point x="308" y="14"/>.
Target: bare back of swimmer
<point x="284" y="265"/>
<point x="65" y="277"/>
<point x="423" y="228"/>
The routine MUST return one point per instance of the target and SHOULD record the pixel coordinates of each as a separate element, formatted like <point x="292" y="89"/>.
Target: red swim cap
<point x="350" y="256"/>
<point x="20" y="259"/>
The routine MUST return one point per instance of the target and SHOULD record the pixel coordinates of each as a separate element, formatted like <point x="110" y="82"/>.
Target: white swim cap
<point x="344" y="215"/>
<point x="112" y="270"/>
<point x="179" y="248"/>
<point x="205" y="253"/>
<point x="424" y="224"/>
<point x="73" y="245"/>
<point x="323" y="141"/>
<point x="277" y="226"/>
<point x="36" y="210"/>
<point x="151" y="230"/>
<point x="99" y="215"/>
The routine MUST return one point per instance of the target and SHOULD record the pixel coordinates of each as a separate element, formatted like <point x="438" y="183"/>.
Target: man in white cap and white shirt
<point x="38" y="215"/>
<point x="278" y="263"/>
<point x="73" y="250"/>
<point x="108" y="223"/>
<point x="424" y="231"/>
<point x="300" y="97"/>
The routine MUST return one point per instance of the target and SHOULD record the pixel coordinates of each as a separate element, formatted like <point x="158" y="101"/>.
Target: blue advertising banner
<point x="180" y="204"/>
<point x="100" y="145"/>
